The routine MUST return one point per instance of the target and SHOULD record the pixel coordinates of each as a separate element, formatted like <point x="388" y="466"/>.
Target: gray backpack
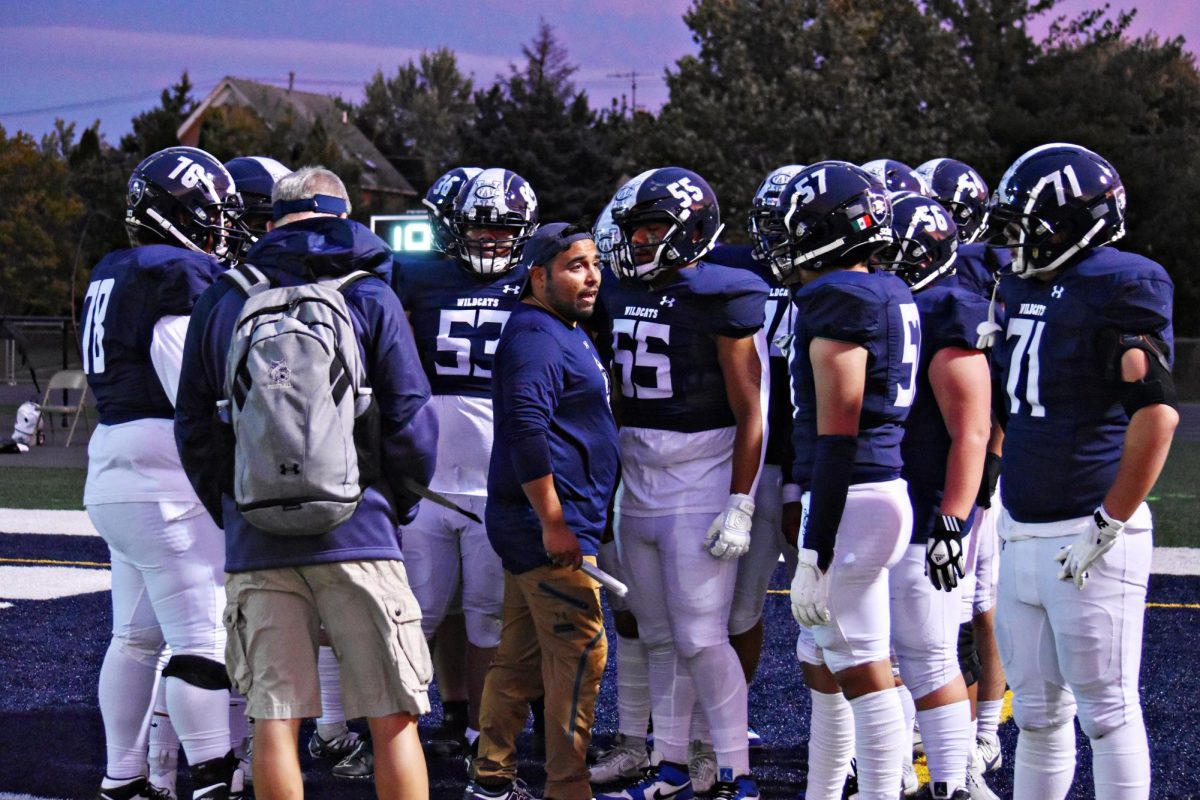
<point x="304" y="423"/>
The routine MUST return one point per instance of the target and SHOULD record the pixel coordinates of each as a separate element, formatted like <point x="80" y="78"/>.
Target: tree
<point x="232" y="131"/>
<point x="155" y="129"/>
<point x="39" y="214"/>
<point x="535" y="123"/>
<point x="414" y="117"/>
<point x="798" y="81"/>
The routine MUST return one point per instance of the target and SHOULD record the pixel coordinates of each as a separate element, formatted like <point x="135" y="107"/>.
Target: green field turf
<point x="1174" y="499"/>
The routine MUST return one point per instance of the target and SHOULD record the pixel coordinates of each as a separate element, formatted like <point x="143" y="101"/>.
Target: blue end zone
<point x="52" y="739"/>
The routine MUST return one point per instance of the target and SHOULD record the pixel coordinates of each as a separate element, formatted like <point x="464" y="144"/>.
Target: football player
<point x="854" y="379"/>
<point x="896" y="176"/>
<point x="458" y="302"/>
<point x="1086" y="357"/>
<point x="690" y="358"/>
<point x="963" y="192"/>
<point x="167" y="552"/>
<point x="944" y="447"/>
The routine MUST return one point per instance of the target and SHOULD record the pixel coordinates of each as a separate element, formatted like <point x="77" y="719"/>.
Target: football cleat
<point x="909" y="782"/>
<point x="987" y="750"/>
<point x="359" y="763"/>
<point x="334" y="749"/>
<point x="136" y="789"/>
<point x="625" y="760"/>
<point x="702" y="765"/>
<point x="929" y="792"/>
<point x="218" y="779"/>
<point x="666" y="782"/>
<point x="740" y="788"/>
<point x="976" y="786"/>
<point x="517" y="790"/>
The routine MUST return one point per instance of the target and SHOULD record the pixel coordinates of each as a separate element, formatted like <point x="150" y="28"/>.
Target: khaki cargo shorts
<point x="274" y="616"/>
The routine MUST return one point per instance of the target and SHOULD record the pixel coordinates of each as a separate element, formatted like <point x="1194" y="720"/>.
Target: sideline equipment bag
<point x="305" y="425"/>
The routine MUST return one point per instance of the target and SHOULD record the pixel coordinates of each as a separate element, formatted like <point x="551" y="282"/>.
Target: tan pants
<point x="552" y="642"/>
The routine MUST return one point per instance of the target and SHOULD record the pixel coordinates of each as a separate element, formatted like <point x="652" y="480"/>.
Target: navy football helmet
<point x="440" y="202"/>
<point x="766" y="200"/>
<point x="673" y="197"/>
<point x="926" y="241"/>
<point x="831" y="214"/>
<point x="498" y="201"/>
<point x="896" y="176"/>
<point x="961" y="191"/>
<point x="255" y="178"/>
<point x="185" y="197"/>
<point x="1055" y="202"/>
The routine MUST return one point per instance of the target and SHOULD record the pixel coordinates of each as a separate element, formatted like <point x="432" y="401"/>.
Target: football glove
<point x="729" y="535"/>
<point x="944" y="552"/>
<point x="810" y="591"/>
<point x="1088" y="547"/>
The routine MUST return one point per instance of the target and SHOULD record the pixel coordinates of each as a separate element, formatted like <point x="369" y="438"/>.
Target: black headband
<point x="321" y="203"/>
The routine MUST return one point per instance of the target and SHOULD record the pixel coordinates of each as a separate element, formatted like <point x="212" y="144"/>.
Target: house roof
<point x="273" y="104"/>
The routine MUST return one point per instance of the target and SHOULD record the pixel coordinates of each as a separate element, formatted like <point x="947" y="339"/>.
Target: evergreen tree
<point x="155" y="129"/>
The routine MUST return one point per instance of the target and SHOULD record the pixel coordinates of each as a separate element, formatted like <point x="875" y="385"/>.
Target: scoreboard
<point x="404" y="233"/>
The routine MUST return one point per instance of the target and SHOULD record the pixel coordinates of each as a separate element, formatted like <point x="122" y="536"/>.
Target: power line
<point x="633" y="76"/>
<point x="101" y="102"/>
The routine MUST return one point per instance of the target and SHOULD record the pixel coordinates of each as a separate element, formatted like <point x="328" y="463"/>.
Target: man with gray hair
<point x="292" y="571"/>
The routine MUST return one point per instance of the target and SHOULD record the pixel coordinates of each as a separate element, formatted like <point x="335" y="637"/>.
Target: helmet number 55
<point x="686" y="192"/>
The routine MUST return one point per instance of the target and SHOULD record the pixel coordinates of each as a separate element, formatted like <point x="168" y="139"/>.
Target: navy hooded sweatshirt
<point x="314" y="248"/>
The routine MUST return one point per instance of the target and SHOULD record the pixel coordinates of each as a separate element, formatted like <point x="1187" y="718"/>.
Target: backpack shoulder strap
<point x="247" y="279"/>
<point x="346" y="281"/>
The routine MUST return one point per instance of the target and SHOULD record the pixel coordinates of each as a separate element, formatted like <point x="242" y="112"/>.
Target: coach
<point x="553" y="473"/>
<point x="350" y="581"/>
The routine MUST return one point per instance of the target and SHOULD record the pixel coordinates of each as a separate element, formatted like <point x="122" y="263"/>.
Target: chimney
<point x="291" y="80"/>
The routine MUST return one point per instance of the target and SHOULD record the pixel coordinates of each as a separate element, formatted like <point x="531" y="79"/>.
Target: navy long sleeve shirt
<point x="550" y="394"/>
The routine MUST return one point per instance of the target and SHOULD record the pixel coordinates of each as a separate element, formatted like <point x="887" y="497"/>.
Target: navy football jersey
<point x="950" y="317"/>
<point x="662" y="346"/>
<point x="975" y="271"/>
<point x="130" y="290"/>
<point x="874" y="310"/>
<point x="780" y="324"/>
<point x="1066" y="426"/>
<point x="456" y="318"/>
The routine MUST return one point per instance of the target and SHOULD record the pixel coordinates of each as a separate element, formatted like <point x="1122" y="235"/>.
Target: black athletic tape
<point x="198" y="671"/>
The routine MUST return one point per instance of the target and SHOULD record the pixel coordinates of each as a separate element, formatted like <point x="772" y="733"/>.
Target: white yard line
<point x="61" y="523"/>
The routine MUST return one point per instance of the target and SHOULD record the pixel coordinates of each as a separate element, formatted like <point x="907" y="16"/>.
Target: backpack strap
<point x="343" y="283"/>
<point x="247" y="279"/>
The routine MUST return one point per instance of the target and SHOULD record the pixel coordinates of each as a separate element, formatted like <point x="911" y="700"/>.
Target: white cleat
<point x="987" y="748"/>
<point x="625" y="760"/>
<point x="702" y="766"/>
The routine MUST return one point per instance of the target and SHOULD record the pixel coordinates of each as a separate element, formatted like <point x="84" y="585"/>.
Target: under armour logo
<point x="294" y="469"/>
<point x="1056" y="292"/>
<point x="513" y="289"/>
<point x="669" y="302"/>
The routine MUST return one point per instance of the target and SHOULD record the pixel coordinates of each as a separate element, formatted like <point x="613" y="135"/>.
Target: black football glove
<point x="944" y="552"/>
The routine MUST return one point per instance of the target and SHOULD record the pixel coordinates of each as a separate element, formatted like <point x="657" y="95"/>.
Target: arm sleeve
<point x="408" y="425"/>
<point x="531" y="382"/>
<point x="166" y="352"/>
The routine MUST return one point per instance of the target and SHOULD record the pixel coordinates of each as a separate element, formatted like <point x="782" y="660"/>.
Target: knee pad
<point x="145" y="651"/>
<point x="926" y="673"/>
<point x="198" y="671"/>
<point x="1034" y="714"/>
<point x="483" y="629"/>
<point x="807" y="651"/>
<point x="744" y="614"/>
<point x="968" y="654"/>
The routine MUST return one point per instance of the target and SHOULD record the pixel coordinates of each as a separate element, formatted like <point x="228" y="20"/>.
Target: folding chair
<point x="72" y="380"/>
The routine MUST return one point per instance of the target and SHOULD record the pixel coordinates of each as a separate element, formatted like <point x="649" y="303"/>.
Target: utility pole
<point x="633" y="76"/>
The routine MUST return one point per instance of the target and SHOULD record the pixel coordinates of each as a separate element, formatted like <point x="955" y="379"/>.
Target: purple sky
<point x="111" y="60"/>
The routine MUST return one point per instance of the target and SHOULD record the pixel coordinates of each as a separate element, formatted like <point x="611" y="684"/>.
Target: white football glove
<point x="729" y="535"/>
<point x="810" y="591"/>
<point x="1088" y="547"/>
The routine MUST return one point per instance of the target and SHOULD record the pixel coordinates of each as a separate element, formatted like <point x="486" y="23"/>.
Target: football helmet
<point x="926" y="241"/>
<point x="185" y="197"/>
<point x="440" y="202"/>
<point x="896" y="176"/>
<point x="1055" y="202"/>
<point x="673" y="197"/>
<point x="766" y="199"/>
<point x="961" y="191"/>
<point x="502" y="202"/>
<point x="831" y="214"/>
<point x="255" y="177"/>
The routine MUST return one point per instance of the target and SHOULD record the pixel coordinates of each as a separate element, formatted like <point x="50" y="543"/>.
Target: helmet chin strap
<point x="171" y="229"/>
<point x="1082" y="244"/>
